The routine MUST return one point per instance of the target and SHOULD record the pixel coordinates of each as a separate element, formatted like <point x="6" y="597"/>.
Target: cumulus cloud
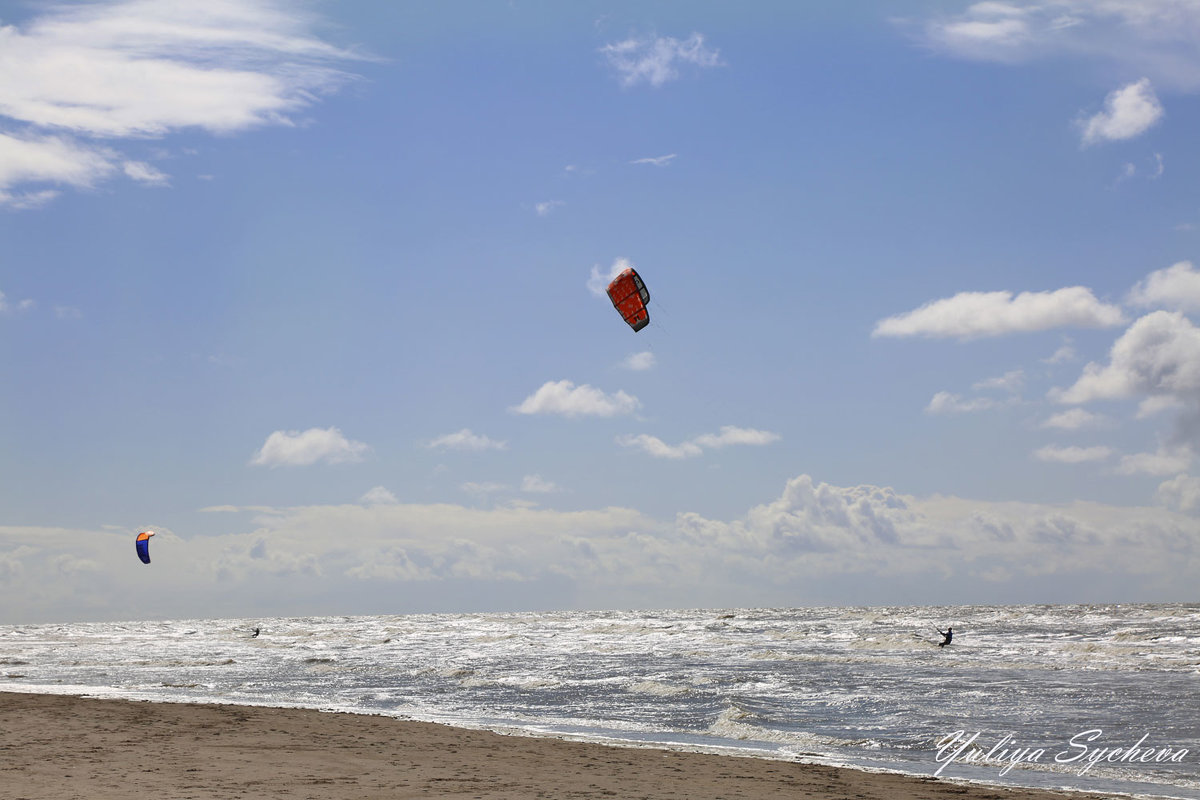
<point x="1181" y="493"/>
<point x="465" y="439"/>
<point x="303" y="448"/>
<point x="1176" y="288"/>
<point x="970" y="315"/>
<point x="565" y="398"/>
<point x="1128" y="112"/>
<point x="1072" y="455"/>
<point x="657" y="60"/>
<point x="728" y="435"/>
<point x="640" y="362"/>
<point x="1159" y="355"/>
<point x="80" y="78"/>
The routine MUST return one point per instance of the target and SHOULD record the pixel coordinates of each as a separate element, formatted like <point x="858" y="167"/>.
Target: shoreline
<point x="58" y="745"/>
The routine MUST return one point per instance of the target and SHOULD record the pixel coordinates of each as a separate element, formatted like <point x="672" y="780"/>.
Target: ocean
<point x="1098" y="698"/>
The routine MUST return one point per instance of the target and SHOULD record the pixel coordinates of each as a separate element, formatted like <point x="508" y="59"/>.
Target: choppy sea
<point x="1098" y="698"/>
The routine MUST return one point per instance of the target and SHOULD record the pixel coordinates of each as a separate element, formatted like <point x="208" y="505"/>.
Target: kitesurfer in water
<point x="255" y="634"/>
<point x="948" y="635"/>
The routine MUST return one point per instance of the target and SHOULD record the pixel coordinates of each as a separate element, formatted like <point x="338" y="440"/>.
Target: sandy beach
<point x="54" y="746"/>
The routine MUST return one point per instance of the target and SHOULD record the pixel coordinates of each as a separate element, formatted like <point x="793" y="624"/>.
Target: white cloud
<point x="1176" y="288"/>
<point x="302" y="448"/>
<point x="1066" y="352"/>
<point x="544" y="209"/>
<point x="1166" y="461"/>
<point x="950" y="403"/>
<point x="1072" y="455"/>
<point x="378" y="495"/>
<point x="1011" y="381"/>
<point x="599" y="280"/>
<point x="147" y="68"/>
<point x="1156" y="38"/>
<point x="658" y="161"/>
<point x="657" y="60"/>
<point x="969" y="315"/>
<point x="1075" y="419"/>
<point x="640" y="362"/>
<point x="483" y="488"/>
<point x="1181" y="493"/>
<point x="47" y="159"/>
<point x="145" y="173"/>
<point x="536" y="484"/>
<point x="565" y="398"/>
<point x="465" y="439"/>
<point x="1128" y="112"/>
<point x="728" y="435"/>
<point x="1159" y="355"/>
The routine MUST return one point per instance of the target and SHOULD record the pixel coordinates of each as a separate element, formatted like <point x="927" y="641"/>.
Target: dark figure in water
<point x="255" y="634"/>
<point x="948" y="634"/>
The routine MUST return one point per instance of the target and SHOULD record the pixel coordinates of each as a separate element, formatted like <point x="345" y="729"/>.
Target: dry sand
<point x="62" y="747"/>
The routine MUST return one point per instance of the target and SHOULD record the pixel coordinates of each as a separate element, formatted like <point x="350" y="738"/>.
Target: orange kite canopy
<point x="630" y="296"/>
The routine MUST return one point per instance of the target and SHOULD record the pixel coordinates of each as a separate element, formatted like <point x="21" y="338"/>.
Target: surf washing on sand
<point x="863" y="687"/>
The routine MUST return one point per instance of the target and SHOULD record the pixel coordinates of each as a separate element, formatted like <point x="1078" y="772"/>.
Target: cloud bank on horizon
<point x="813" y="543"/>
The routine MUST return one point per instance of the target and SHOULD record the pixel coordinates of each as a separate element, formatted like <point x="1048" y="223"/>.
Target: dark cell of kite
<point x="143" y="546"/>
<point x="629" y="295"/>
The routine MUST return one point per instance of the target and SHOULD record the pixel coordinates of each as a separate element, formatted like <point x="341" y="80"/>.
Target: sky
<point x="315" y="291"/>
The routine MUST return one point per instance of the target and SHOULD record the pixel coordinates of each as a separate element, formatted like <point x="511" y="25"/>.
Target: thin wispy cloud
<point x="536" y="484"/>
<point x="544" y="209"/>
<point x="79" y="79"/>
<point x="145" y="173"/>
<point x="564" y="398"/>
<point x="640" y="362"/>
<point x="1072" y="454"/>
<point x="950" y="403"/>
<point x="728" y="435"/>
<point x="970" y="315"/>
<point x="658" y="59"/>
<point x="304" y="448"/>
<point x="659" y="161"/>
<point x="1165" y="461"/>
<point x="1128" y="112"/>
<point x="466" y="439"/>
<point x="1156" y="38"/>
<point x="1011" y="381"/>
<point x="1075" y="419"/>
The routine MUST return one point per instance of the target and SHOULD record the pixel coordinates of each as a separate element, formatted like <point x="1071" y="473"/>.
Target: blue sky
<point x="315" y="291"/>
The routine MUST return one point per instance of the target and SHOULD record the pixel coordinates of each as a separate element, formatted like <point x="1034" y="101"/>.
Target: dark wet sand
<point x="54" y="746"/>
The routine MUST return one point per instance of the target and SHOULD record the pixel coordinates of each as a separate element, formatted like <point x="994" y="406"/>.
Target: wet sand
<point x="54" y="746"/>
